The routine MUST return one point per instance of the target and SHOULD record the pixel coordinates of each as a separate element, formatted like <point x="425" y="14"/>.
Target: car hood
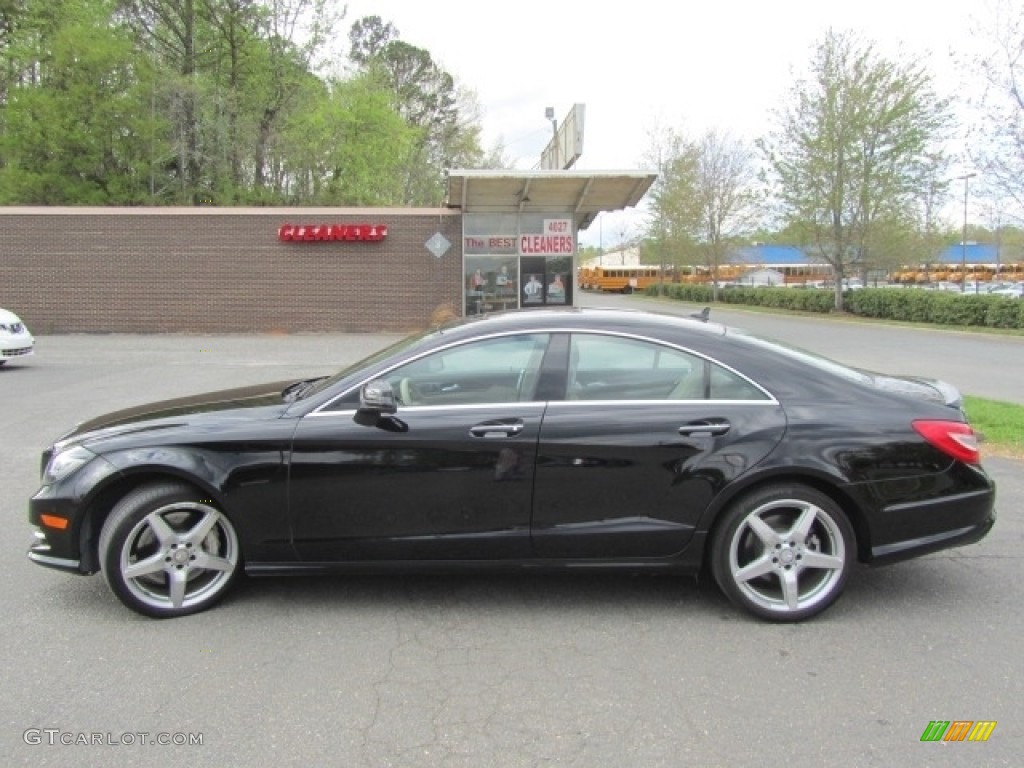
<point x="166" y="413"/>
<point x="6" y="318"/>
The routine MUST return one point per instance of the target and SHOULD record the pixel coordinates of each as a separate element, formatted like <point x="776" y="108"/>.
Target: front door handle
<point x="493" y="429"/>
<point x="705" y="428"/>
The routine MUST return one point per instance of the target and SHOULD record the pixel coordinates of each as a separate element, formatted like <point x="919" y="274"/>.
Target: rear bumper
<point x="904" y="550"/>
<point x="938" y="524"/>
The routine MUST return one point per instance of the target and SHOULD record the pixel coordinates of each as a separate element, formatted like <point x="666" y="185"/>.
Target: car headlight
<point x="65" y="463"/>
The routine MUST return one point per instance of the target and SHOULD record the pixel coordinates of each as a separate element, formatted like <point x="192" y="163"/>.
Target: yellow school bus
<point x="621" y="279"/>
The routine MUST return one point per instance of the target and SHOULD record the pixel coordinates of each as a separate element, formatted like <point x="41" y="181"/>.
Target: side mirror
<point x="376" y="399"/>
<point x="377" y="395"/>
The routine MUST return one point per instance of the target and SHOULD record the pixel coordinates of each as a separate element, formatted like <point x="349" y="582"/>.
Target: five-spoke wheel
<point x="166" y="552"/>
<point x="783" y="552"/>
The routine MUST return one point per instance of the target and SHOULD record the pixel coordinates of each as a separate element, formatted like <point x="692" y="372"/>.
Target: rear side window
<point x="616" y="368"/>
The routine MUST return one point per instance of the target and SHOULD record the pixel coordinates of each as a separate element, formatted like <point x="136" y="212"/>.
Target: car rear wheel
<point x="783" y="553"/>
<point x="165" y="551"/>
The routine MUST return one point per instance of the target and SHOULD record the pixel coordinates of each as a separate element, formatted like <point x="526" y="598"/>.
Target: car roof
<point x="645" y="322"/>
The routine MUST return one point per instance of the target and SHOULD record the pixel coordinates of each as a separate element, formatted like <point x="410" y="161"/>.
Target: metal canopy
<point x="585" y="193"/>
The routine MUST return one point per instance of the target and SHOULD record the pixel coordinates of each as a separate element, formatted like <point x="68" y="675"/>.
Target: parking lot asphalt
<point x="576" y="670"/>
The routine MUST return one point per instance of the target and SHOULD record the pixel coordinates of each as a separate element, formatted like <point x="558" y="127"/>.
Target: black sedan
<point x="534" y="439"/>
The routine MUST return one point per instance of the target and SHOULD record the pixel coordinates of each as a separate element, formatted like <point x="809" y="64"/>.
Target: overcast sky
<point x="725" y="64"/>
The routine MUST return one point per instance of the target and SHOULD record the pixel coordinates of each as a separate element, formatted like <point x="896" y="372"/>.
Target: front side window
<point x="497" y="370"/>
<point x="615" y="368"/>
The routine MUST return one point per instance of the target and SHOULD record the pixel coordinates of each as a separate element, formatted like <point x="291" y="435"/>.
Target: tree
<point x="998" y="141"/>
<point x="234" y="26"/>
<point x="174" y="34"/>
<point x="367" y="39"/>
<point x="109" y="102"/>
<point x="428" y="99"/>
<point x="496" y="158"/>
<point x="74" y="123"/>
<point x="725" y="196"/>
<point x="231" y="70"/>
<point x="13" y="14"/>
<point x="848" y="151"/>
<point x="295" y="32"/>
<point x="704" y="197"/>
<point x="674" y="214"/>
<point x="347" y="147"/>
<point x="921" y="239"/>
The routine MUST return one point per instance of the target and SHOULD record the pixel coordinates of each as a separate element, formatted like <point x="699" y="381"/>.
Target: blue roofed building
<point x="760" y="254"/>
<point x="973" y="253"/>
<point x="753" y="263"/>
<point x="761" y="263"/>
<point x="975" y="262"/>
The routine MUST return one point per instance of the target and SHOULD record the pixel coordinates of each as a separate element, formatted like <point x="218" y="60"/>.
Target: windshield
<point x="322" y="384"/>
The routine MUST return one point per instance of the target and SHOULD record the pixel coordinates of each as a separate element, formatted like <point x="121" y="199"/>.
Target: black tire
<point x="783" y="552"/>
<point x="166" y="551"/>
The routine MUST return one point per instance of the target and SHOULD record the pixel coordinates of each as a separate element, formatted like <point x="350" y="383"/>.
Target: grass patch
<point x="1001" y="425"/>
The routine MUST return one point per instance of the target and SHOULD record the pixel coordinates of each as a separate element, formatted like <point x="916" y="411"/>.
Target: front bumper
<point x="59" y="548"/>
<point x="42" y="553"/>
<point x="11" y="349"/>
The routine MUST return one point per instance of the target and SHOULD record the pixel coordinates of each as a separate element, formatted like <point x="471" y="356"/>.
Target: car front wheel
<point x="165" y="551"/>
<point x="783" y="553"/>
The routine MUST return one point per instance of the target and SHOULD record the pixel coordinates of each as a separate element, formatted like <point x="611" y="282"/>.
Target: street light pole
<point x="963" y="242"/>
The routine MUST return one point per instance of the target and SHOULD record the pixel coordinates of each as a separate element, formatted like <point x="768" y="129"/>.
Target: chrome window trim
<point x="661" y="401"/>
<point x="532" y="404"/>
<point x="551" y="330"/>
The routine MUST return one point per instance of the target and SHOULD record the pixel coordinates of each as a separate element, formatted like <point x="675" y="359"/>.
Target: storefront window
<point x="547" y="280"/>
<point x="515" y="261"/>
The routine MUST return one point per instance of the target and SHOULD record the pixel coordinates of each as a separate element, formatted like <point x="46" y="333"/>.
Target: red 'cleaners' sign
<point x="312" y="233"/>
<point x="556" y="240"/>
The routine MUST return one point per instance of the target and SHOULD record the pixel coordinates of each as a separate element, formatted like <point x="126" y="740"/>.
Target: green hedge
<point x="909" y="304"/>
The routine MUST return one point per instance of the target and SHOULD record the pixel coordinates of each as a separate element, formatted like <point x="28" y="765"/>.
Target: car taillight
<point x="953" y="438"/>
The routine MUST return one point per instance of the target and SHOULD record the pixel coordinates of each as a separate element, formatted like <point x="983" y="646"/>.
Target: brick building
<point x="245" y="270"/>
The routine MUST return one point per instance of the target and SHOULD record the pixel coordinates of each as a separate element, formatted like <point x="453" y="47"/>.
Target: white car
<point x="15" y="340"/>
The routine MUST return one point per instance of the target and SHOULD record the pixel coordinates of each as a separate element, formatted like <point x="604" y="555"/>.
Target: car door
<point x="451" y="478"/>
<point x="646" y="436"/>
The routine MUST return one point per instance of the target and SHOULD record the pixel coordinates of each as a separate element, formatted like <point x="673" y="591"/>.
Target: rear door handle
<point x="713" y="428"/>
<point x="497" y="429"/>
